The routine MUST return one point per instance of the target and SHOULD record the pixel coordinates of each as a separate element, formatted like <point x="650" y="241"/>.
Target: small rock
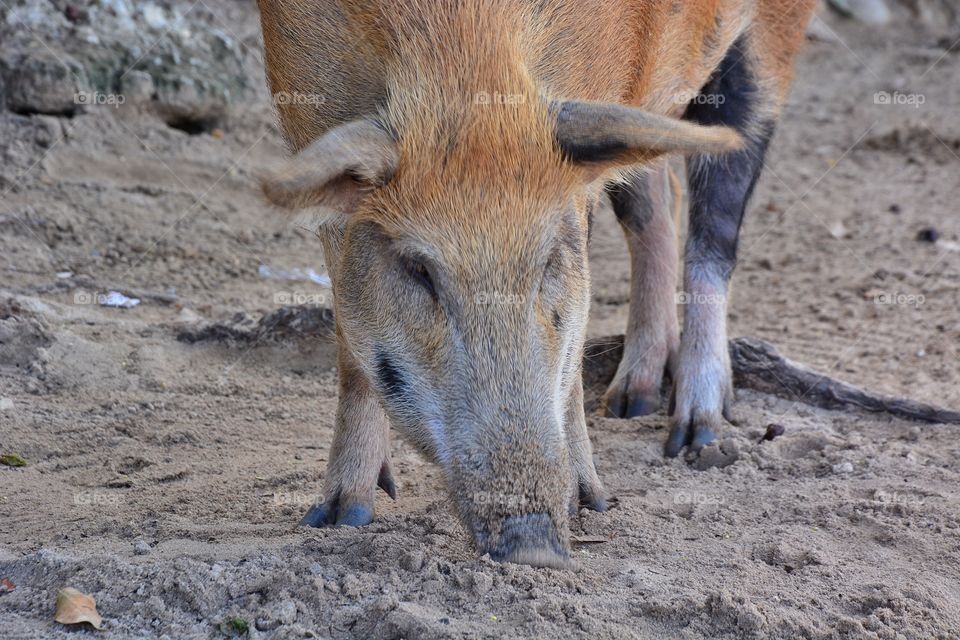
<point x="266" y="624"/>
<point x="350" y="586"/>
<point x="154" y="16"/>
<point x="137" y="86"/>
<point x="929" y="234"/>
<point x="142" y="547"/>
<point x="412" y="561"/>
<point x="481" y="583"/>
<point x="73" y="13"/>
<point x="719" y="454"/>
<point x="285" y="612"/>
<point x="839" y="231"/>
<point x="773" y="431"/>
<point x="843" y="468"/>
<point x="46" y="83"/>
<point x="188" y="316"/>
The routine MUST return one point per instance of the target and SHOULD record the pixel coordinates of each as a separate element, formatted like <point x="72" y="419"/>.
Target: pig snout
<point x="531" y="539"/>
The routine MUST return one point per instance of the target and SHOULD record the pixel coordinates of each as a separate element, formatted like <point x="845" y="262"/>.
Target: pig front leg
<point x="720" y="188"/>
<point x="360" y="455"/>
<point x="644" y="208"/>
<point x="588" y="491"/>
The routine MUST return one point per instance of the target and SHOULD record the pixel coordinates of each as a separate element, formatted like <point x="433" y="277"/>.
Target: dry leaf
<point x="13" y="460"/>
<point x="6" y="586"/>
<point x="74" y="607"/>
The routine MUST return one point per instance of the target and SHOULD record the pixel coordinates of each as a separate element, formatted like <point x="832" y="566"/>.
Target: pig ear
<point x="608" y="135"/>
<point x="335" y="170"/>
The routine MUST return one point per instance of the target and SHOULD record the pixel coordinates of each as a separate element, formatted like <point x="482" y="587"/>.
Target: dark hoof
<point x="385" y="481"/>
<point x="332" y="513"/>
<point x="696" y="437"/>
<point x="701" y="438"/>
<point x="355" y="515"/>
<point x="320" y="515"/>
<point x="592" y="500"/>
<point x="629" y="406"/>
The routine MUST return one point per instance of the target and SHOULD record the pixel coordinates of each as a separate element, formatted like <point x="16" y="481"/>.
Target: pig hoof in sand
<point x="635" y="394"/>
<point x="335" y="512"/>
<point x="695" y="436"/>
<point x="624" y="402"/>
<point x="694" y="432"/>
<point x="590" y="498"/>
<point x="349" y="512"/>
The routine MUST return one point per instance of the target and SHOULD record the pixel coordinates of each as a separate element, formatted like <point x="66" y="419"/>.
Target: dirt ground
<point x="166" y="477"/>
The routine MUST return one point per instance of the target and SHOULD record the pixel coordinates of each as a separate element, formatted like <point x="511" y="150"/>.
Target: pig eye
<point x="552" y="271"/>
<point x="418" y="271"/>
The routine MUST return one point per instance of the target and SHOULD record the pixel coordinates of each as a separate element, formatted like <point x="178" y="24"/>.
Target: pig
<point x="450" y="154"/>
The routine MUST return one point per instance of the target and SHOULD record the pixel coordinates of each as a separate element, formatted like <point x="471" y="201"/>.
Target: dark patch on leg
<point x="734" y="92"/>
<point x="631" y="203"/>
<point x="720" y="186"/>
<point x="590" y="209"/>
<point x="557" y="321"/>
<point x="719" y="191"/>
<point x="390" y="378"/>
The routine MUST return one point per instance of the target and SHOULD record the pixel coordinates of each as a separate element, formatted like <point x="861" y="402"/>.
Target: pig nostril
<point x="531" y="539"/>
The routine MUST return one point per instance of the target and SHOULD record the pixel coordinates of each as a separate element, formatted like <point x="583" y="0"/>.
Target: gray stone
<point x="42" y="82"/>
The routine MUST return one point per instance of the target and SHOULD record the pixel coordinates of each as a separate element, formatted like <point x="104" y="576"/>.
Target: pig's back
<point x="328" y="60"/>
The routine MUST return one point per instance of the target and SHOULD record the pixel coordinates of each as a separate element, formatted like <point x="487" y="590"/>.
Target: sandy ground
<point x="166" y="478"/>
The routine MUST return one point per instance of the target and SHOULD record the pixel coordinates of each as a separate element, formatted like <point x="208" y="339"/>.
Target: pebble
<point x="412" y="561"/>
<point x="843" y="468"/>
<point x="142" y="547"/>
<point x="481" y="583"/>
<point x="285" y="612"/>
<point x="774" y="430"/>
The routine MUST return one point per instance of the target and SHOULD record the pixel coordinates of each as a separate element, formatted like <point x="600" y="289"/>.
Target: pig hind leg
<point x="719" y="188"/>
<point x="644" y="207"/>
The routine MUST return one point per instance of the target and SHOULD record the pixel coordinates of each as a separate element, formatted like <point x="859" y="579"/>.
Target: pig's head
<point x="458" y="251"/>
